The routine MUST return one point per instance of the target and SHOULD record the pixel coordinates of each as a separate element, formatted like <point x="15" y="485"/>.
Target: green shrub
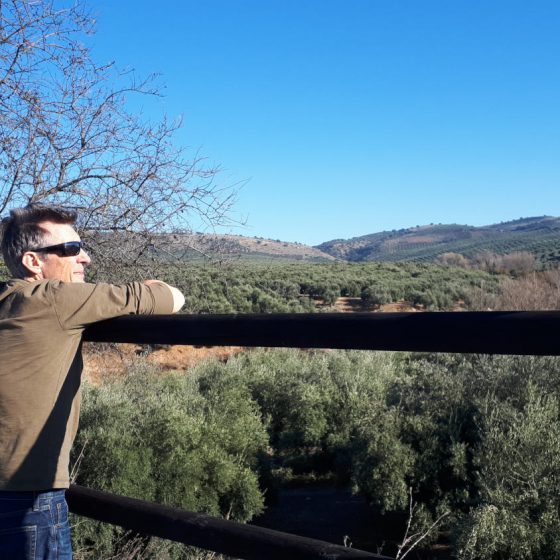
<point x="160" y="439"/>
<point x="518" y="516"/>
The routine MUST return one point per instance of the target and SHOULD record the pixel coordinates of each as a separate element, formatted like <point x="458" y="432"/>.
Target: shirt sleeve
<point x="80" y="304"/>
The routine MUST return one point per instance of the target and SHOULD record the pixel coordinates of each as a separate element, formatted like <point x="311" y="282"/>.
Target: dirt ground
<point x="109" y="360"/>
<point x="355" y="305"/>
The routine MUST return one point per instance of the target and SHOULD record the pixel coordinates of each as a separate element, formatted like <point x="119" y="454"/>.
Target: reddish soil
<point x="102" y="361"/>
<point x="181" y="357"/>
<point x="355" y="305"/>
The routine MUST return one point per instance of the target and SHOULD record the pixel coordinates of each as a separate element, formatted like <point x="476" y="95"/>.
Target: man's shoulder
<point x="21" y="298"/>
<point x="13" y="286"/>
<point x="22" y="290"/>
<point x="18" y="285"/>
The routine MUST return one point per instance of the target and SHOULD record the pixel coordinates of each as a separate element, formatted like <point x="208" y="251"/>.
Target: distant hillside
<point x="239" y="246"/>
<point x="538" y="235"/>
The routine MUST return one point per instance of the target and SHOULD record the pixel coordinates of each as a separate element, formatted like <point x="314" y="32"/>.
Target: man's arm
<point x="78" y="304"/>
<point x="178" y="297"/>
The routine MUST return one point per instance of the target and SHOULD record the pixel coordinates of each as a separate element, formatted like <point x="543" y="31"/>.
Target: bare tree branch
<point x="67" y="136"/>
<point x="410" y="542"/>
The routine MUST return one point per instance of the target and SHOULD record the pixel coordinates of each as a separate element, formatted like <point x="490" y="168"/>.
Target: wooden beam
<point x="203" y="531"/>
<point x="497" y="332"/>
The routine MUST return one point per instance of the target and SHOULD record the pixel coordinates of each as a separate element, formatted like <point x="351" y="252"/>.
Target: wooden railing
<point x="535" y="333"/>
<point x="211" y="533"/>
<point x="497" y="332"/>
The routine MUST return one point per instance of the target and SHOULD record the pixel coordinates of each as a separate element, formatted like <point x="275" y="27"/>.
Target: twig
<point x="405" y="545"/>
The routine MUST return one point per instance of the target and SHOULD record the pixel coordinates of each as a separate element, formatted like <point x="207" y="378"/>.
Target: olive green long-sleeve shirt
<point x="41" y="326"/>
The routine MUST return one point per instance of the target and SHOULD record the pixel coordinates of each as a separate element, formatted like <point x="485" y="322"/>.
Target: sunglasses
<point x="68" y="249"/>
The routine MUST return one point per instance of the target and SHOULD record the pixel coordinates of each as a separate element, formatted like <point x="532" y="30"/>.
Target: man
<point x="44" y="310"/>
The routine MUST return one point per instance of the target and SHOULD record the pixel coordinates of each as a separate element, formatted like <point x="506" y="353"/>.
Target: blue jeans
<point x="34" y="526"/>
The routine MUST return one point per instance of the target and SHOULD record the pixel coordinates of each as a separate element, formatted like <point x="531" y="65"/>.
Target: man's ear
<point x="32" y="263"/>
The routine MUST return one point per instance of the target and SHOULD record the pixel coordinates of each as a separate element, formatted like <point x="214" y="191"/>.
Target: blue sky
<point x="344" y="118"/>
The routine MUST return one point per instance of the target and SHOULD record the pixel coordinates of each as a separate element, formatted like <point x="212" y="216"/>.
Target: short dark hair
<point x="21" y="231"/>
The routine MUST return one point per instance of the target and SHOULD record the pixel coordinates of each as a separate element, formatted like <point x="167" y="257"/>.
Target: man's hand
<point x="178" y="297"/>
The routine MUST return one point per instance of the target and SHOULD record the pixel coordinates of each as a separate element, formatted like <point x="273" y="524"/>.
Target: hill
<point x="243" y="247"/>
<point x="538" y="235"/>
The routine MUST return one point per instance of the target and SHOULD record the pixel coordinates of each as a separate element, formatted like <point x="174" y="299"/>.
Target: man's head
<point x="35" y="244"/>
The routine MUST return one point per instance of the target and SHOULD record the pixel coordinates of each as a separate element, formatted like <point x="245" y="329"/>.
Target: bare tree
<point x="67" y="137"/>
<point x="536" y="291"/>
<point x="517" y="263"/>
<point x="453" y="259"/>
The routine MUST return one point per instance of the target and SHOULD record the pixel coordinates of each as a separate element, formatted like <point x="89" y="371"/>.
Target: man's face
<point x="55" y="267"/>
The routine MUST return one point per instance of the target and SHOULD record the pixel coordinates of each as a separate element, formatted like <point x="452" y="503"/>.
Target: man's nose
<point x="83" y="257"/>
